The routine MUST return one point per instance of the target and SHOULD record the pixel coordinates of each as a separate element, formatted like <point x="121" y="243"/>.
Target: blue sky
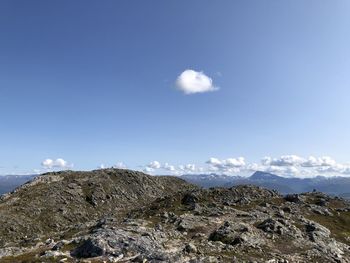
<point x="96" y="82"/>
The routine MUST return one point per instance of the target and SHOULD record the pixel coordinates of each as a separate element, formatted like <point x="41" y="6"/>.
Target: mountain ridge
<point x="51" y="201"/>
<point x="331" y="185"/>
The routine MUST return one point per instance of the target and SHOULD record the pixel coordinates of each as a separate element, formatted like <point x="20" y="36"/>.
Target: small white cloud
<point x="334" y="168"/>
<point x="120" y="165"/>
<point x="294" y="160"/>
<point x="227" y="163"/>
<point x="148" y="169"/>
<point x="228" y="166"/>
<point x="102" y="166"/>
<point x="191" y="82"/>
<point x="214" y="162"/>
<point x="234" y="162"/>
<point x="321" y="161"/>
<point x="266" y="160"/>
<point x="284" y="160"/>
<point x="59" y="163"/>
<point x="151" y="167"/>
<point x="169" y="167"/>
<point x="190" y="167"/>
<point x="48" y="163"/>
<point x="154" y="165"/>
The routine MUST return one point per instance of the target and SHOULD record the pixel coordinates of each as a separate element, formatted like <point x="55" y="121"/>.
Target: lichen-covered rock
<point x="236" y="234"/>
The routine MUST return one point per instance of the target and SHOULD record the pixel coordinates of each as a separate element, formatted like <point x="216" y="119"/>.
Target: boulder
<point x="294" y="198"/>
<point x="271" y="226"/>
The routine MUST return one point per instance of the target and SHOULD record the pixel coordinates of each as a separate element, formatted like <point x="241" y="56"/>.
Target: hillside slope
<point x="63" y="201"/>
<point x="124" y="216"/>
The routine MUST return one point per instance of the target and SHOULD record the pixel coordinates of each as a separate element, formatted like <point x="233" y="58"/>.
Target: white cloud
<point x="228" y="166"/>
<point x="254" y="167"/>
<point x="148" y="169"/>
<point x="226" y="163"/>
<point x="214" y="162"/>
<point x="294" y="160"/>
<point x="296" y="165"/>
<point x="234" y="162"/>
<point x="151" y="167"/>
<point x="154" y="165"/>
<point x="169" y="167"/>
<point x="334" y="168"/>
<point x="120" y="165"/>
<point x="284" y="160"/>
<point x="191" y="82"/>
<point x="321" y="161"/>
<point x="190" y="167"/>
<point x="285" y="165"/>
<point x="59" y="163"/>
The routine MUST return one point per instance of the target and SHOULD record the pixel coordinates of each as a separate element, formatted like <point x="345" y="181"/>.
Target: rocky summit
<point x="117" y="215"/>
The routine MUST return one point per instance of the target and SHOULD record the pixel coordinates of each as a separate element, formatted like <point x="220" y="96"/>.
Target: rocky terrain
<point x="116" y="215"/>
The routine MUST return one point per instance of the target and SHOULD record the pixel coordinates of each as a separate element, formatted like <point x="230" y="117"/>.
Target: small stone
<point x="190" y="248"/>
<point x="49" y="241"/>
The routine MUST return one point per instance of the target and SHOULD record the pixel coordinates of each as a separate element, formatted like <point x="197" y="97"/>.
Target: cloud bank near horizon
<point x="285" y="165"/>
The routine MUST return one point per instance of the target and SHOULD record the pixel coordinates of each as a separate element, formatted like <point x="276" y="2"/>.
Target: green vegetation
<point x="339" y="225"/>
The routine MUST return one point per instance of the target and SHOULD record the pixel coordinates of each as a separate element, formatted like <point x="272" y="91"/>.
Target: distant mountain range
<point x="339" y="186"/>
<point x="10" y="182"/>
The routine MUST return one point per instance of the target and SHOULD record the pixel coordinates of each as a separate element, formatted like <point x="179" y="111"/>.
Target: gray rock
<point x="294" y="198"/>
<point x="89" y="249"/>
<point x="271" y="226"/>
<point x="190" y="248"/>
